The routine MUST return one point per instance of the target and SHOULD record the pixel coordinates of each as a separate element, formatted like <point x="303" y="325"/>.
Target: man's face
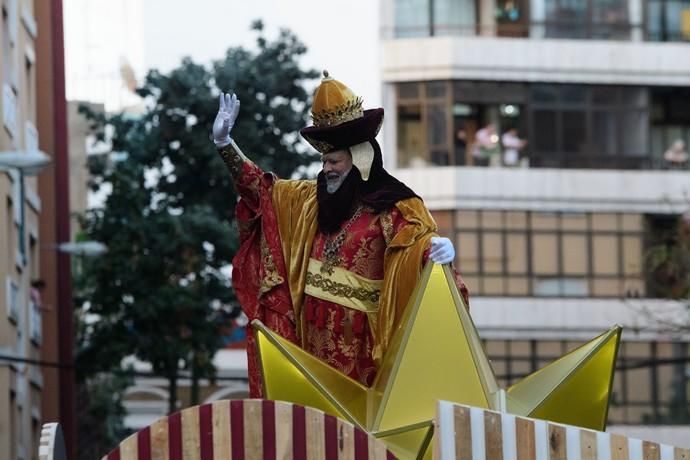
<point x="336" y="165"/>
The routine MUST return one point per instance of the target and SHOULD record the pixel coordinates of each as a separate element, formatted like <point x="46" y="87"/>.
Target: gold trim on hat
<point x="321" y="146"/>
<point x="351" y="110"/>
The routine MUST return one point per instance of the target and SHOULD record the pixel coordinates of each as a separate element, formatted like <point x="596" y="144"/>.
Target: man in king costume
<point x="329" y="264"/>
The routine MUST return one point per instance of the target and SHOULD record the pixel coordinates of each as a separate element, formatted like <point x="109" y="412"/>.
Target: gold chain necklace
<point x="331" y="250"/>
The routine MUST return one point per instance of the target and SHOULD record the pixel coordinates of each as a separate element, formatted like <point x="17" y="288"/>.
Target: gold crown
<point x="334" y="103"/>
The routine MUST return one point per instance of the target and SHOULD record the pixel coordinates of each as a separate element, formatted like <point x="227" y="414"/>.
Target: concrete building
<point x="81" y="144"/>
<point x="104" y="51"/>
<point x="552" y="234"/>
<point x="30" y="286"/>
<point x="57" y="350"/>
<point x="20" y="326"/>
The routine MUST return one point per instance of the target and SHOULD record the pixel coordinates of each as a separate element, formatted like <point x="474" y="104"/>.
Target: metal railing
<point x="557" y="28"/>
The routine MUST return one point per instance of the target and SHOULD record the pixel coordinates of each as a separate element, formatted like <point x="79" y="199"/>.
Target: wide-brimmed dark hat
<point x="339" y="120"/>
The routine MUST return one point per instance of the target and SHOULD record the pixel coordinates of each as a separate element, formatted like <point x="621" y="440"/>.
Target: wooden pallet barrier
<point x="470" y="433"/>
<point x="250" y="429"/>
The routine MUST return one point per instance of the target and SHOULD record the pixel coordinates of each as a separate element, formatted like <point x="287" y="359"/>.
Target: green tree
<point x="160" y="293"/>
<point x="668" y="275"/>
<point x="668" y="260"/>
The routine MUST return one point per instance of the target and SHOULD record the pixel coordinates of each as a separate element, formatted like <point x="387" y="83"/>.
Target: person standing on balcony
<point x="329" y="264"/>
<point x="512" y="145"/>
<point x="486" y="150"/>
<point x="676" y="156"/>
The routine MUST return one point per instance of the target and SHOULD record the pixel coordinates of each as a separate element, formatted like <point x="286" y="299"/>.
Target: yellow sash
<point x="343" y="287"/>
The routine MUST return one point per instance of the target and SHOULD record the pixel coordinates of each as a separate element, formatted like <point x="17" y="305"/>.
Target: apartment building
<point x="552" y="233"/>
<point x="20" y="325"/>
<point x="34" y="278"/>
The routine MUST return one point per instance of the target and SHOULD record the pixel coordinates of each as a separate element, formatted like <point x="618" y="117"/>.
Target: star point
<point x="436" y="354"/>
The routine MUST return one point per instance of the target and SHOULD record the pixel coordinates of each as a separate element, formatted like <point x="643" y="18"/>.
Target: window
<point x="670" y="121"/>
<point x="649" y="387"/>
<point x="566" y="18"/>
<point x="454" y="17"/>
<point x="438" y="121"/>
<point x="35" y="323"/>
<point x="410" y="133"/>
<point x="587" y="126"/>
<point x="423" y="18"/>
<point x="29" y="89"/>
<point x="512" y="18"/>
<point x="565" y="125"/>
<point x="522" y="253"/>
<point x="412" y="18"/>
<point x="10" y="233"/>
<point x="596" y="19"/>
<point x="667" y="261"/>
<point x="424" y="129"/>
<point x="12" y="301"/>
<point x="10" y="24"/>
<point x="668" y="20"/>
<point x="10" y="68"/>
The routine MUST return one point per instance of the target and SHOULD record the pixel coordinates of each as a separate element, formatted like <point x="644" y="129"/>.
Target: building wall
<point x="79" y="133"/>
<point x="147" y="399"/>
<point x="20" y="326"/>
<point x="547" y="60"/>
<point x="552" y="256"/>
<point x="53" y="185"/>
<point x="104" y="51"/>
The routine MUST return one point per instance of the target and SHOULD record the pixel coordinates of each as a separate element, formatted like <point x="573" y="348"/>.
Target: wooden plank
<point x="346" y="440"/>
<point x="316" y="448"/>
<point x="524" y="432"/>
<point x="493" y="436"/>
<point x="588" y="445"/>
<point x="253" y="429"/>
<point x="128" y="448"/>
<point x="377" y="450"/>
<point x="651" y="450"/>
<point x="681" y="454"/>
<point x="268" y="429"/>
<point x="221" y="430"/>
<point x="283" y="430"/>
<point x="191" y="449"/>
<point x="463" y="433"/>
<point x="619" y="447"/>
<point x="159" y="439"/>
<point x="557" y="442"/>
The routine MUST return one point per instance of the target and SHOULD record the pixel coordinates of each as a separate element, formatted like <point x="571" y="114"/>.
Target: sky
<point x="341" y="36"/>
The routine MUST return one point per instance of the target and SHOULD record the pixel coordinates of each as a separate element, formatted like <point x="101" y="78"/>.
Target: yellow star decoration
<point x="436" y="354"/>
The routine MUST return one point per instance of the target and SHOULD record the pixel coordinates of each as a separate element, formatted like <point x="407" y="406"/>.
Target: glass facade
<point x="650" y="385"/>
<point x="422" y="18"/>
<point x="668" y="20"/>
<point x="535" y="254"/>
<point x="662" y="20"/>
<point x="560" y="125"/>
<point x="412" y="18"/>
<point x="589" y="126"/>
<point x="531" y="254"/>
<point x="595" y="19"/>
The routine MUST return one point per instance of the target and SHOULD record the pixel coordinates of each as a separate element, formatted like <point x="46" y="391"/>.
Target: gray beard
<point x="333" y="185"/>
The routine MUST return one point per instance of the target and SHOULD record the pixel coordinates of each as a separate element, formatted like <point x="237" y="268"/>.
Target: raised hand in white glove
<point x="442" y="251"/>
<point x="227" y="114"/>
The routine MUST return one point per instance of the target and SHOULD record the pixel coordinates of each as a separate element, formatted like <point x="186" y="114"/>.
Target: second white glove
<point x="442" y="251"/>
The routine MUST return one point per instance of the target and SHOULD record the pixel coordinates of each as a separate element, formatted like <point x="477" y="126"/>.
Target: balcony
<point x="622" y="20"/>
<point x="545" y="60"/>
<point x="545" y="189"/>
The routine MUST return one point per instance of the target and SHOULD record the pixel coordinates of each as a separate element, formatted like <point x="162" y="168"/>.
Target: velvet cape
<point x="269" y="269"/>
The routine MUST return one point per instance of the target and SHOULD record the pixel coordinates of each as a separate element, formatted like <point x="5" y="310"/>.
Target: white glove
<point x="442" y="251"/>
<point x="227" y="114"/>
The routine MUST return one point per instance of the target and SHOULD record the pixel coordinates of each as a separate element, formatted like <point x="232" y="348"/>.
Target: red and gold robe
<point x="345" y="315"/>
